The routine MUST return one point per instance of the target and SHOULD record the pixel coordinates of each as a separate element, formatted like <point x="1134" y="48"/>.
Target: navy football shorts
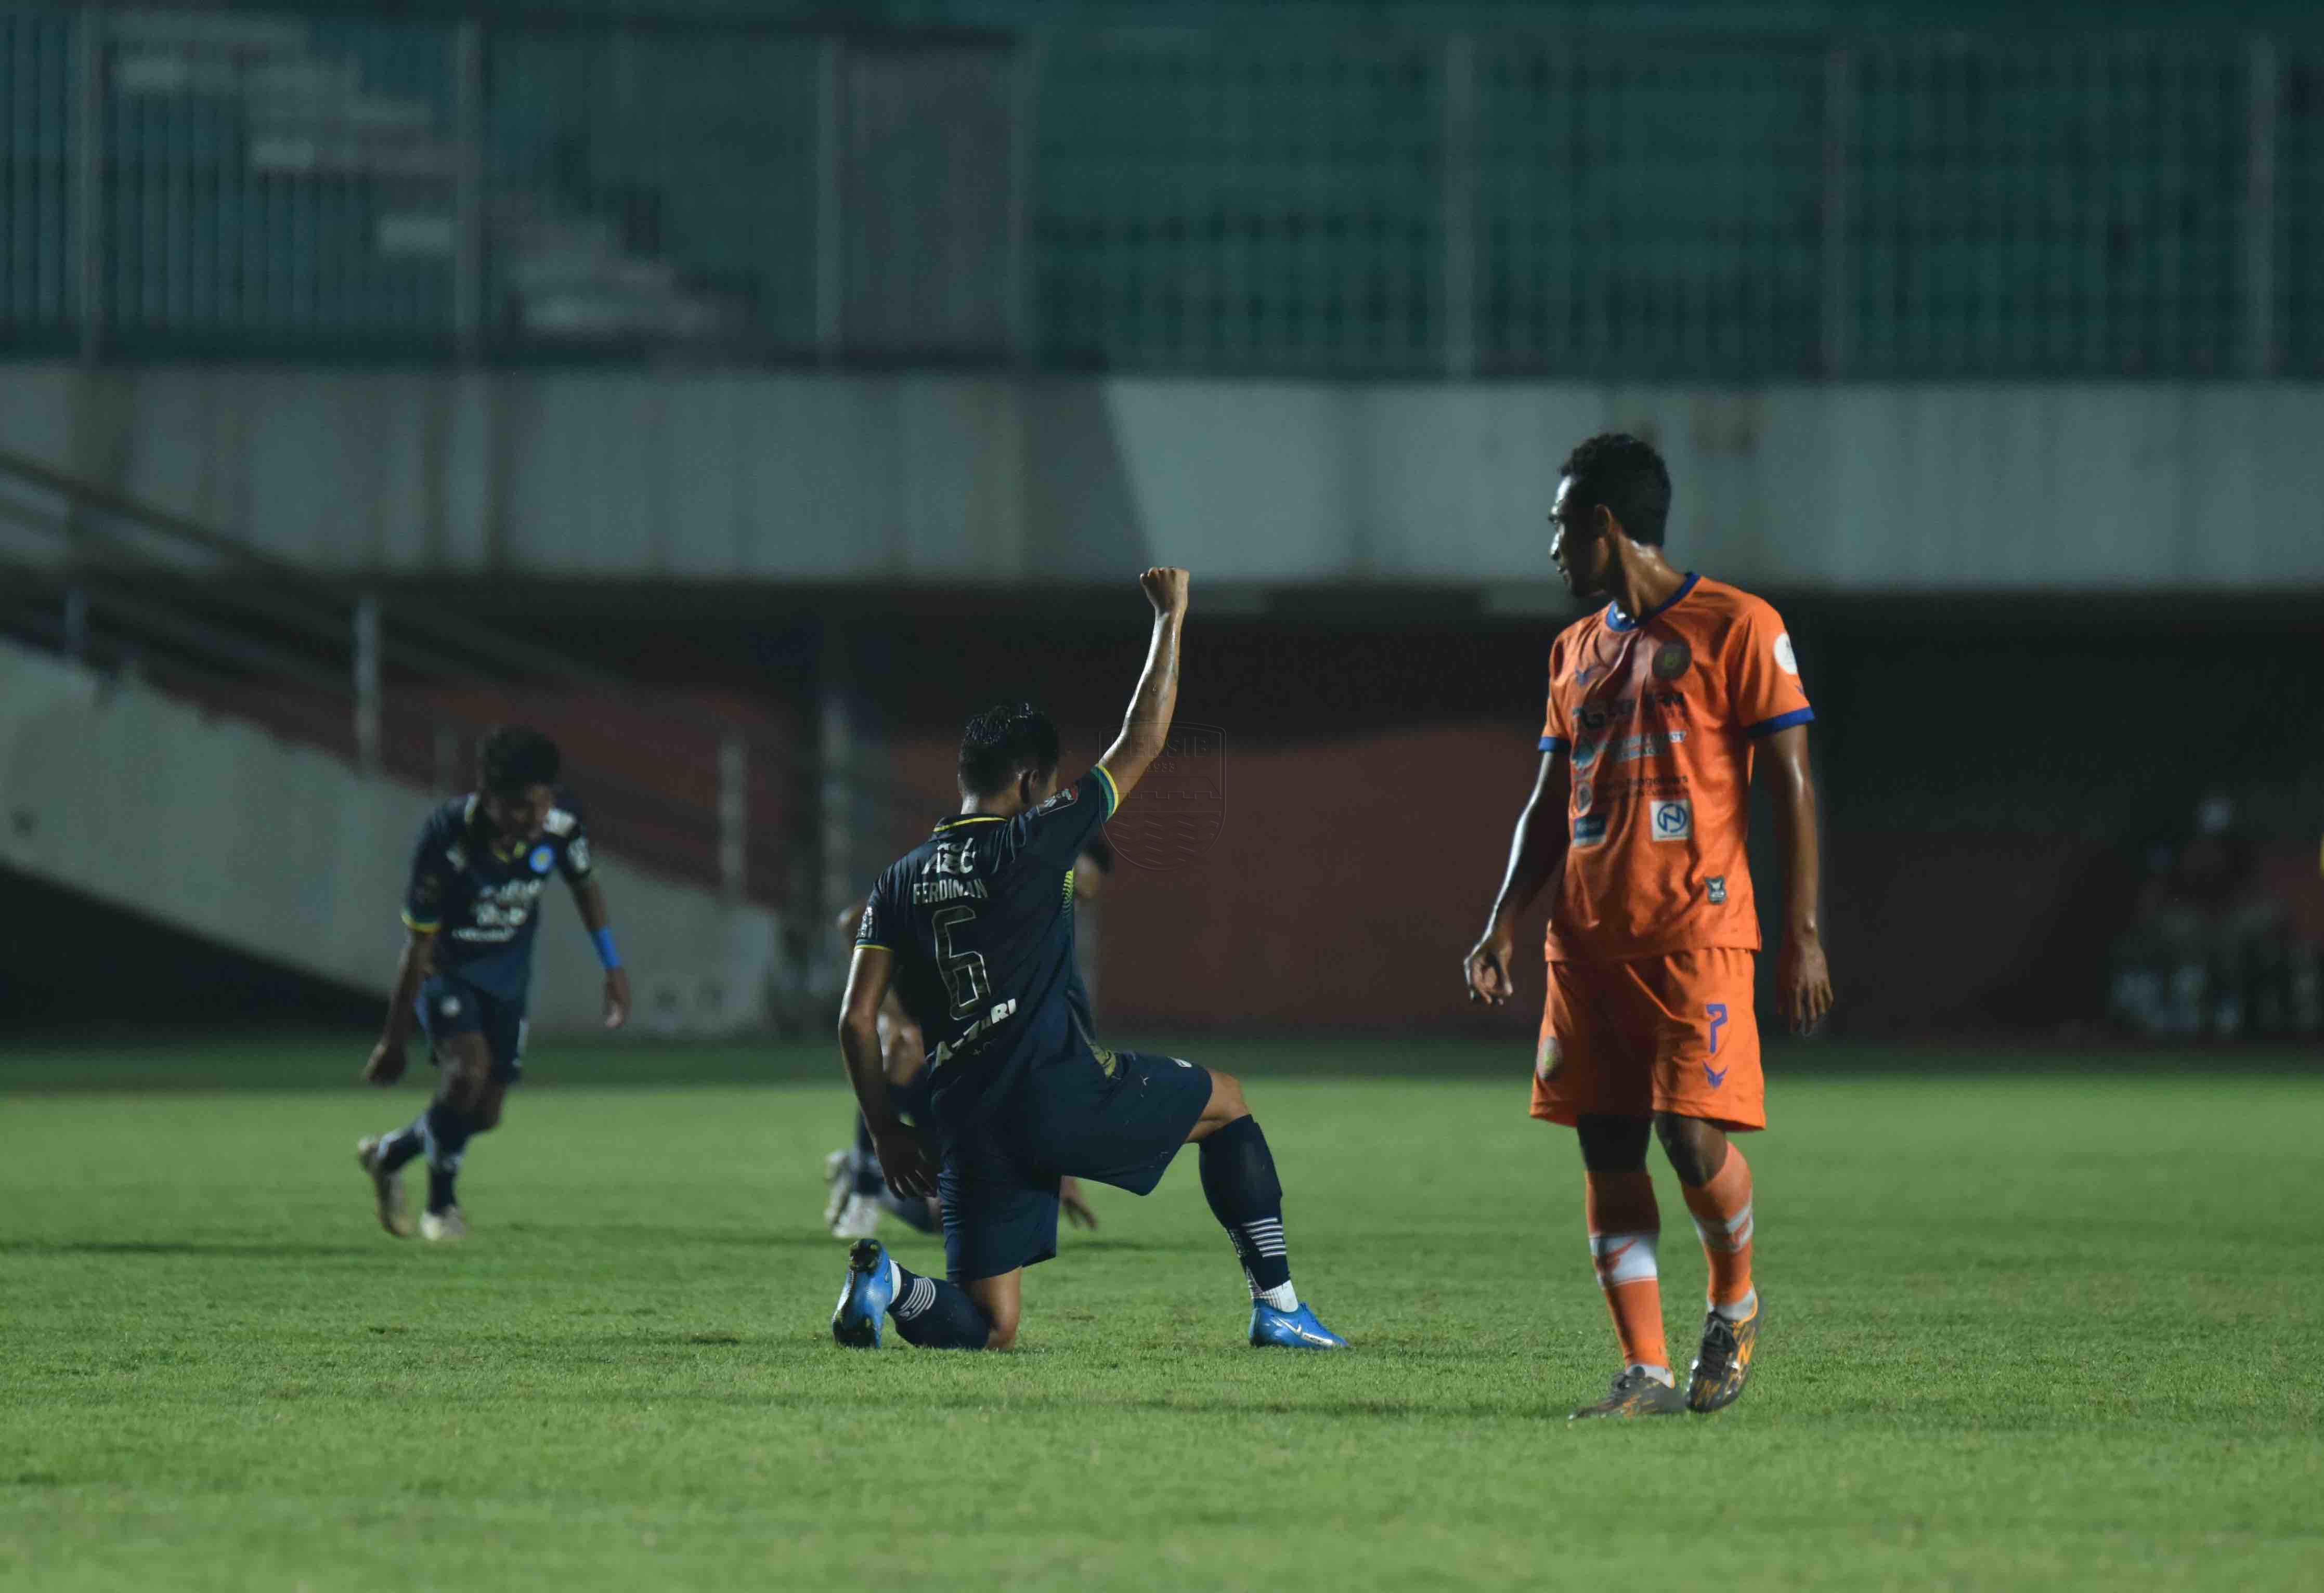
<point x="1072" y="1118"/>
<point x="450" y="1006"/>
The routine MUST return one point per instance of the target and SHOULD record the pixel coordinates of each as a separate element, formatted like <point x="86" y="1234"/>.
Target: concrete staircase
<point x="222" y="828"/>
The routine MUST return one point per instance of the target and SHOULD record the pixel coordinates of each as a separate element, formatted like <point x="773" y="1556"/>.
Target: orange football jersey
<point x="1657" y="716"/>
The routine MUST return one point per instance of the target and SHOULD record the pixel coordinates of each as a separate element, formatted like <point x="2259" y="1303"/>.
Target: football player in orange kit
<point x="1661" y="704"/>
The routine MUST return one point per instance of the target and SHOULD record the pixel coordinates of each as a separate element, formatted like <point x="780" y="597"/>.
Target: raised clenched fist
<point x="1165" y="589"/>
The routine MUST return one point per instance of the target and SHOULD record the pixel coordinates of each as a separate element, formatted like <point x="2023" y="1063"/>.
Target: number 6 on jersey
<point x="962" y="970"/>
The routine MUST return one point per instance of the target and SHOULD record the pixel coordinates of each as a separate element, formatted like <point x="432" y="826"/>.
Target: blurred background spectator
<point x="2223" y="942"/>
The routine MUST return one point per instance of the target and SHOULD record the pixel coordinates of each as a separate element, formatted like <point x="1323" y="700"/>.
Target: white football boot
<point x="858" y="1219"/>
<point x="386" y="1188"/>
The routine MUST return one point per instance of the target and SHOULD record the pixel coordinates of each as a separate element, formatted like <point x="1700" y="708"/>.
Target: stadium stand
<point x="1806" y="200"/>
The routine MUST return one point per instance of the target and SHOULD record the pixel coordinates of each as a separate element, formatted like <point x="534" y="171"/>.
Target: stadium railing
<point x="385" y="681"/>
<point x="1352" y="201"/>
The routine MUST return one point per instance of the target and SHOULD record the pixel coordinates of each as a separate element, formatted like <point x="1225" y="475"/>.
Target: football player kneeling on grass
<point x="974" y="930"/>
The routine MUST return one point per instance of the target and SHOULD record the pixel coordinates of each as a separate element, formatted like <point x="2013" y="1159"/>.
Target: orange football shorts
<point x="1668" y="1033"/>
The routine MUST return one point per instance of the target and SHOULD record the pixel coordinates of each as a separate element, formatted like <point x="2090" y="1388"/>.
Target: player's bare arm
<point x="1803" y="974"/>
<point x="900" y="1155"/>
<point x="387" y="1058"/>
<point x="589" y="896"/>
<point x="899" y="1037"/>
<point x="1536" y="851"/>
<point x="1146" y="728"/>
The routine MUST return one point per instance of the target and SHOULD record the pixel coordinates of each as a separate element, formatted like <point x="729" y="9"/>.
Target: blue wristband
<point x="603" y="939"/>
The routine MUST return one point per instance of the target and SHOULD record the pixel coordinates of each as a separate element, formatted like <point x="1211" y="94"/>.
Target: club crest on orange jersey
<point x="1672" y="660"/>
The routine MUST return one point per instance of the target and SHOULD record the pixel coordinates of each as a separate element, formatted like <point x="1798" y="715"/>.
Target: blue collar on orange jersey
<point x="1616" y="619"/>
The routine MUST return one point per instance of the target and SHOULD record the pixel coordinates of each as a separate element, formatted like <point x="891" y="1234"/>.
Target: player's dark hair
<point x="1624" y="473"/>
<point x="515" y="757"/>
<point x="1002" y="742"/>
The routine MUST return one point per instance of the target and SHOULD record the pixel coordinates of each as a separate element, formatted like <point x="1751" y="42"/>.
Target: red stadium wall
<point x="1346" y="878"/>
<point x="1351" y="874"/>
<point x="1346" y="881"/>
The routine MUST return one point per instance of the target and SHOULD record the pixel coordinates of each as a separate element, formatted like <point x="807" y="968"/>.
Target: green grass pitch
<point x="2046" y="1330"/>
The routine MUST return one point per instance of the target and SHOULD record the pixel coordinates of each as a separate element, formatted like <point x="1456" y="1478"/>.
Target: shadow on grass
<point x="668" y="1237"/>
<point x="1082" y="1401"/>
<point x="203" y="1065"/>
<point x="205" y="1247"/>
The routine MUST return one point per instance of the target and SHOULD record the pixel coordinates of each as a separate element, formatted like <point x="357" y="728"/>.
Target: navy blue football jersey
<point x="980" y="916"/>
<point x="482" y="898"/>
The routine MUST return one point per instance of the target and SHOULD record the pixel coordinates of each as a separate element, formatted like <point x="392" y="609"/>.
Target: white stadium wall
<point x="804" y="477"/>
<point x="220" y="828"/>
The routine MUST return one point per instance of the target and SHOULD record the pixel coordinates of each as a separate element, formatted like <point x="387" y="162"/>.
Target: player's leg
<point x="939" y="1313"/>
<point x="997" y="1220"/>
<point x="858" y="1194"/>
<point x="1587" y="1077"/>
<point x="447" y="1010"/>
<point x="930" y="1313"/>
<point x="466" y="1103"/>
<point x="1717" y="1182"/>
<point x="1708" y="1082"/>
<point x="853" y="1182"/>
<point x="1002" y="1300"/>
<point x="1123" y="1119"/>
<point x="477" y="1068"/>
<point x="386" y="1183"/>
<point x="917" y="1212"/>
<point x="383" y="1157"/>
<point x="1245" y="1193"/>
<point x="1625" y="1231"/>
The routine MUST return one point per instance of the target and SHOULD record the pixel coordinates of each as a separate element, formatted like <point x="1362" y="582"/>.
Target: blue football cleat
<point x="870" y="1285"/>
<point x="1290" y="1329"/>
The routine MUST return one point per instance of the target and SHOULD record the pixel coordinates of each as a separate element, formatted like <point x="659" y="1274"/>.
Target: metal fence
<point x="1673" y="204"/>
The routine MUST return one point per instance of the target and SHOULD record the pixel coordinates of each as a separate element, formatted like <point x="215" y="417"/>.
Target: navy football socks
<point x="934" y="1315"/>
<point x="912" y="1211"/>
<point x="407" y="1142"/>
<point x="869" y="1178"/>
<point x="446" y="1128"/>
<point x="1247" y="1198"/>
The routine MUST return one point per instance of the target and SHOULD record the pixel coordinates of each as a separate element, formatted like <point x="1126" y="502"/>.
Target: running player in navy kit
<point x="470" y="911"/>
<point x="973" y="928"/>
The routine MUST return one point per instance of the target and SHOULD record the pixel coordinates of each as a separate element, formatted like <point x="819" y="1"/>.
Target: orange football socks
<point x="1722" y="1216"/>
<point x="1623" y="1225"/>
